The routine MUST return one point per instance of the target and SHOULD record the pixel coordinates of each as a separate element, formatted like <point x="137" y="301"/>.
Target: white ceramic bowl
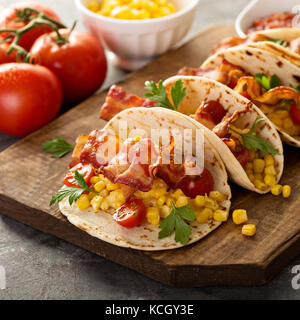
<point x="261" y="8"/>
<point x="135" y="42"/>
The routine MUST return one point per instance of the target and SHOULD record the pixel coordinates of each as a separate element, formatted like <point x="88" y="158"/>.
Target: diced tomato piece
<point x="199" y="186"/>
<point x="86" y="170"/>
<point x="130" y="214"/>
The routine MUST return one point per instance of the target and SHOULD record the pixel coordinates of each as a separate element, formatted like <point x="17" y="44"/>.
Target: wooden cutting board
<point x="29" y="177"/>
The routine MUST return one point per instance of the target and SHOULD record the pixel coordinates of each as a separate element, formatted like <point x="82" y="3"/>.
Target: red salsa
<point x="274" y="20"/>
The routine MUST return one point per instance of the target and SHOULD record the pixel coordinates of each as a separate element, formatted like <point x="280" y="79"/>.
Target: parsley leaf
<point x="72" y="192"/>
<point x="58" y="147"/>
<point x="267" y="82"/>
<point x="176" y="222"/>
<point x="252" y="142"/>
<point x="158" y="94"/>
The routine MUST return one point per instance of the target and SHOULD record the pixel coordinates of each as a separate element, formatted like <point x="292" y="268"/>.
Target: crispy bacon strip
<point x="80" y="143"/>
<point x="118" y="100"/>
<point x="132" y="165"/>
<point x="275" y="95"/>
<point x="222" y="129"/>
<point x="100" y="148"/>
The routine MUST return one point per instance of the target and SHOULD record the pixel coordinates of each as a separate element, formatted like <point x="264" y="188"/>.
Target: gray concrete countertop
<point x="40" y="266"/>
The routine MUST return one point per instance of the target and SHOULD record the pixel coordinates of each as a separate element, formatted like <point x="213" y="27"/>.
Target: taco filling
<point x="281" y="104"/>
<point x="136" y="187"/>
<point x="253" y="153"/>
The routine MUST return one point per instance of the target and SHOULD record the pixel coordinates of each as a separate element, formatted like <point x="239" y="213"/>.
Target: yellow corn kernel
<point x="249" y="166"/>
<point x="104" y="204"/>
<point x="249" y="172"/>
<point x="269" y="160"/>
<point x="153" y="216"/>
<point x="178" y="193"/>
<point x="239" y="216"/>
<point x="160" y="192"/>
<point x="270" y="180"/>
<point x="83" y="202"/>
<point x="210" y="203"/>
<point x="164" y="211"/>
<point x="259" y="184"/>
<point x="204" y="215"/>
<point x="137" y="138"/>
<point x="275" y="119"/>
<point x="286" y="191"/>
<point x="118" y="204"/>
<point x="112" y="186"/>
<point x="249" y="230"/>
<point x="99" y="186"/>
<point x="282" y="114"/>
<point x="259" y="176"/>
<point x="161" y="201"/>
<point x="96" y="202"/>
<point x="200" y="201"/>
<point x="258" y="165"/>
<point x="104" y="193"/>
<point x="270" y="170"/>
<point x="181" y="202"/>
<point x="91" y="195"/>
<point x="251" y="177"/>
<point x="95" y="179"/>
<point x="276" y="190"/>
<point x="288" y="123"/>
<point x="217" y="196"/>
<point x="220" y="215"/>
<point x="93" y="6"/>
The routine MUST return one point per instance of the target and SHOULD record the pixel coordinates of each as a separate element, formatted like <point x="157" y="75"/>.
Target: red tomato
<point x="80" y="64"/>
<point x="130" y="214"/>
<point x="215" y="109"/>
<point x="4" y="57"/>
<point x="200" y="186"/>
<point x="242" y="156"/>
<point x="295" y="114"/>
<point x="9" y="20"/>
<point x="30" y="97"/>
<point x="86" y="170"/>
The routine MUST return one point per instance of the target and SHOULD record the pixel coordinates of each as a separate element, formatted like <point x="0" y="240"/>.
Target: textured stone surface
<point x="39" y="266"/>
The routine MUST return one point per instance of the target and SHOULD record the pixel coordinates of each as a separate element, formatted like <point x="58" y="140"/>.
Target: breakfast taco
<point x="269" y="81"/>
<point x="246" y="140"/>
<point x="284" y="42"/>
<point x="130" y="189"/>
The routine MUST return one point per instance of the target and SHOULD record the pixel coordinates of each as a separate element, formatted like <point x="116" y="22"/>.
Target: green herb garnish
<point x="280" y="42"/>
<point x="176" y="222"/>
<point x="267" y="82"/>
<point x="158" y="94"/>
<point x="252" y="142"/>
<point x="58" y="147"/>
<point x="72" y="192"/>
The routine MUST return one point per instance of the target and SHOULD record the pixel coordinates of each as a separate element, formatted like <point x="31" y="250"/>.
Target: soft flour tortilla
<point x="285" y="34"/>
<point x="202" y="89"/>
<point x="145" y="237"/>
<point x="255" y="60"/>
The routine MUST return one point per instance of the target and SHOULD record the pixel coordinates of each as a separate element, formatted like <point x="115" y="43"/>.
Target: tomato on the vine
<point x="131" y="213"/>
<point x="30" y="97"/>
<point x="199" y="186"/>
<point x="14" y="18"/>
<point x="77" y="59"/>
